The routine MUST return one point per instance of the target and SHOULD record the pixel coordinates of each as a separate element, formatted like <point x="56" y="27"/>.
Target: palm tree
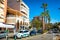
<point x="46" y="17"/>
<point x="43" y="14"/>
<point x="44" y="6"/>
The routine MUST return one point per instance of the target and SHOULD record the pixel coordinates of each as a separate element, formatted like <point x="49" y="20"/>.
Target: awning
<point x="2" y="25"/>
<point x="12" y="11"/>
<point x="6" y="26"/>
<point x="9" y="26"/>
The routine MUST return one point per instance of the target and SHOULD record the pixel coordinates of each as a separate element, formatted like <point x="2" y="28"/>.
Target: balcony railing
<point x="26" y="10"/>
<point x="11" y="17"/>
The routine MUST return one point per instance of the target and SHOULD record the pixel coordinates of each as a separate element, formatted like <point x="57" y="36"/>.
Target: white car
<point x="22" y="33"/>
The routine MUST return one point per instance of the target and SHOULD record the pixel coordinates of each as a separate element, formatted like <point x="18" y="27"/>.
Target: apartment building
<point x="17" y="13"/>
<point x="14" y="12"/>
<point x="3" y="11"/>
<point x="25" y="11"/>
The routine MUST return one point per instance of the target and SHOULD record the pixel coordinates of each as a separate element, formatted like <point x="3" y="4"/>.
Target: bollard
<point x="15" y="37"/>
<point x="7" y="33"/>
<point x="7" y="37"/>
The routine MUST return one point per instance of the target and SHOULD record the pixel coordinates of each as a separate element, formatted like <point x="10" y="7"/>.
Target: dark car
<point x="40" y="31"/>
<point x="55" y="31"/>
<point x="33" y="32"/>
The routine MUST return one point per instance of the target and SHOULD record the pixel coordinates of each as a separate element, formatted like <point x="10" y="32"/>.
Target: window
<point x="1" y="1"/>
<point x="25" y="31"/>
<point x="1" y="13"/>
<point x="23" y="5"/>
<point x="2" y="32"/>
<point x="21" y="31"/>
<point x="18" y="0"/>
<point x="24" y="12"/>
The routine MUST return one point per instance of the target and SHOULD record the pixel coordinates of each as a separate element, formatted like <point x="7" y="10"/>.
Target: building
<point x="25" y="11"/>
<point x="17" y="13"/>
<point x="14" y="12"/>
<point x="38" y="18"/>
<point x="3" y="11"/>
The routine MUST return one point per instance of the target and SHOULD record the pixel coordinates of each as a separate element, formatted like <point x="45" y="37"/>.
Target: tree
<point x="36" y="23"/>
<point x="47" y="18"/>
<point x="44" y="6"/>
<point x="45" y="15"/>
<point x="42" y="14"/>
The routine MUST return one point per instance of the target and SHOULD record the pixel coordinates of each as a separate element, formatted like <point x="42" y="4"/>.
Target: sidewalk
<point x="10" y="34"/>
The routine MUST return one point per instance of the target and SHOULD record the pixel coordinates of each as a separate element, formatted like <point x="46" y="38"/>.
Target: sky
<point x="35" y="8"/>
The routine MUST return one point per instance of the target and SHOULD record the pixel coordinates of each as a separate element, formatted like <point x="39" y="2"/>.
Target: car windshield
<point x="2" y="32"/>
<point x="23" y="31"/>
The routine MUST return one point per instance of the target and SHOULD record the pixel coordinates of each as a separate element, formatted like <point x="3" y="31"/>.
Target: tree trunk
<point x="43" y="24"/>
<point x="44" y="21"/>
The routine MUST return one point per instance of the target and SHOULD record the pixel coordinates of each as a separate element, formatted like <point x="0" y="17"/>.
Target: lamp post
<point x="15" y="27"/>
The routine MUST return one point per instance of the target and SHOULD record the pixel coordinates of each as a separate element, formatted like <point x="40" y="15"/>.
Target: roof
<point x="12" y="11"/>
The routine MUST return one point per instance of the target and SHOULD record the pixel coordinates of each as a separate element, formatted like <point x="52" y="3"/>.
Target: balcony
<point x="11" y="20"/>
<point x="24" y="11"/>
<point x="22" y="7"/>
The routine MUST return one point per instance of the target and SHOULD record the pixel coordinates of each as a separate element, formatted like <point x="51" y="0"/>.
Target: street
<point x="42" y="37"/>
<point x="37" y="37"/>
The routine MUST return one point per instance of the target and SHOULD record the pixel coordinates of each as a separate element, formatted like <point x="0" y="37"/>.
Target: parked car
<point x="33" y="32"/>
<point x="40" y="31"/>
<point x="3" y="34"/>
<point x="22" y="33"/>
<point x="50" y="31"/>
<point x="55" y="30"/>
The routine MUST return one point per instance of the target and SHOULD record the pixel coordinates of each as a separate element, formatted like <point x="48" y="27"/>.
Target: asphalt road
<point x="42" y="37"/>
<point x="37" y="37"/>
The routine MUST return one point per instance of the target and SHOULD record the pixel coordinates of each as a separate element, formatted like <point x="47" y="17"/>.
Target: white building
<point x="25" y="12"/>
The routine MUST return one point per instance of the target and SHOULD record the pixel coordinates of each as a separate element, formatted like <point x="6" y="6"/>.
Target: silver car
<point x="3" y="34"/>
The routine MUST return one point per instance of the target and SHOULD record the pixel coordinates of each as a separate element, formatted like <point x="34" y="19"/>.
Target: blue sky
<point x="35" y="8"/>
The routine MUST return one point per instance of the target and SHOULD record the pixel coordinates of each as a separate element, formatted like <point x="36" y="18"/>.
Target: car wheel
<point x="20" y="37"/>
<point x="14" y="37"/>
<point x="28" y="35"/>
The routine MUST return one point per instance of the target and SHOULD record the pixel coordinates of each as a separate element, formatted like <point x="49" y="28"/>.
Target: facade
<point x="3" y="11"/>
<point x="25" y="11"/>
<point x="14" y="12"/>
<point x="21" y="18"/>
